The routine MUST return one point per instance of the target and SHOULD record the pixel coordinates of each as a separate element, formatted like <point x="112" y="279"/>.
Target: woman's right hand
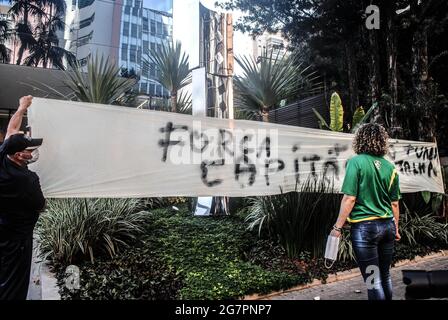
<point x="397" y="236"/>
<point x="335" y="233"/>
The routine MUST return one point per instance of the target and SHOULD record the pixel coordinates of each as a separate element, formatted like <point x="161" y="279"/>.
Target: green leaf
<point x="322" y="122"/>
<point x="426" y="195"/>
<point x="336" y="113"/>
<point x="366" y="117"/>
<point x="358" y="116"/>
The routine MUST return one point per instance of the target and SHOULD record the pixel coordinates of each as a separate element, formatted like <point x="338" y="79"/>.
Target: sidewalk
<point x="354" y="288"/>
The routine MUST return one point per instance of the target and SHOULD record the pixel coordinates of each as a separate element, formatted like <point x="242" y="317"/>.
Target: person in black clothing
<point x="21" y="200"/>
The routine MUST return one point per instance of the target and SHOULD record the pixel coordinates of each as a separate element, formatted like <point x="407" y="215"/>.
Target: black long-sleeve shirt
<point x="21" y="198"/>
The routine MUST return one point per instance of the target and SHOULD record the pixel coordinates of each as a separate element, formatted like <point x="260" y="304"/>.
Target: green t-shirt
<point x="374" y="182"/>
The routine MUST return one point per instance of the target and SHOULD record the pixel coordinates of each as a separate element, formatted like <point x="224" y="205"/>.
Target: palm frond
<point x="265" y="83"/>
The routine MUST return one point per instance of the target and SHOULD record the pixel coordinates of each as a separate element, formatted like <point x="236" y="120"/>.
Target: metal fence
<point x="300" y="113"/>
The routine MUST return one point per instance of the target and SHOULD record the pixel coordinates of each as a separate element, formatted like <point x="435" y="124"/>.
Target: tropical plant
<point x="45" y="47"/>
<point x="100" y="84"/>
<point x="173" y="69"/>
<point x="357" y="117"/>
<point x="41" y="41"/>
<point x="71" y="230"/>
<point x="265" y="83"/>
<point x="298" y="220"/>
<point x="184" y="103"/>
<point x="337" y="115"/>
<point x="345" y="251"/>
<point x="4" y="35"/>
<point x="417" y="227"/>
<point x="21" y="10"/>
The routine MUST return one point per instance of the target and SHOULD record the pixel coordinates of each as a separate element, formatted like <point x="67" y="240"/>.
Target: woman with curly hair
<point x="370" y="203"/>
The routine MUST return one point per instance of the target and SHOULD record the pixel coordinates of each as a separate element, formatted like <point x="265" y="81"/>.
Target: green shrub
<point x="134" y="274"/>
<point x="300" y="221"/>
<point x="71" y="230"/>
<point x="421" y="227"/>
<point x="210" y="255"/>
<point x="185" y="257"/>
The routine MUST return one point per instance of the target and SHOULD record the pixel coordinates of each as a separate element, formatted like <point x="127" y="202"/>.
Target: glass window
<point x="145" y="70"/>
<point x="86" y="22"/>
<point x="158" y="90"/>
<point x="139" y="54"/>
<point x="152" y="88"/>
<point x="133" y="53"/>
<point x="85" y="39"/>
<point x="126" y="28"/>
<point x="159" y="28"/>
<point x="152" y="70"/>
<point x="124" y="52"/>
<point x="153" y="27"/>
<point x="127" y="9"/>
<point x="84" y="3"/>
<point x="145" y="25"/>
<point x="135" y="11"/>
<point x="129" y="2"/>
<point x="143" y="86"/>
<point x="153" y="46"/>
<point x="134" y="30"/>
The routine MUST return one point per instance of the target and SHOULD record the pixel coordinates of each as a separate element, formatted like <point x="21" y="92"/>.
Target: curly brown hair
<point x="371" y="138"/>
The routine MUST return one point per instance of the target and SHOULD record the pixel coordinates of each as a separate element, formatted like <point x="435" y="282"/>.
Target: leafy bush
<point x="300" y="220"/>
<point x="134" y="274"/>
<point x="72" y="230"/>
<point x="420" y="228"/>
<point x="185" y="257"/>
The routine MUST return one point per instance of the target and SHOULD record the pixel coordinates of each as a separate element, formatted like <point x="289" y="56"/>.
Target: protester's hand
<point x="25" y="102"/>
<point x="397" y="236"/>
<point x="335" y="233"/>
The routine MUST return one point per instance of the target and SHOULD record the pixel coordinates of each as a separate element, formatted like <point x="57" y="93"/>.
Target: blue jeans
<point x="373" y="244"/>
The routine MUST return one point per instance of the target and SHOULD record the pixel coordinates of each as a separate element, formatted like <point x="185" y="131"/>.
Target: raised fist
<point x="25" y="102"/>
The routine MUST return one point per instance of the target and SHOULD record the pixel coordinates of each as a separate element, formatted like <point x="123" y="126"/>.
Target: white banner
<point x="93" y="150"/>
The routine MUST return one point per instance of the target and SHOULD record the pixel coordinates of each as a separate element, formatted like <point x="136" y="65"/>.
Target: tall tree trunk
<point x="352" y="76"/>
<point x="426" y="124"/>
<point x="391" y="49"/>
<point x="22" y="47"/>
<point x="174" y="101"/>
<point x="375" y="76"/>
<point x="265" y="114"/>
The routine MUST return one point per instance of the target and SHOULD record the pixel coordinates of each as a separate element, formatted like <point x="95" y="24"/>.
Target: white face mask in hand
<point x="331" y="250"/>
<point x="35" y="156"/>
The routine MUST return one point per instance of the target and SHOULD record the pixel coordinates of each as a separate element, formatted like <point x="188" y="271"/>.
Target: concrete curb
<point x="344" y="275"/>
<point x="50" y="288"/>
<point x="43" y="283"/>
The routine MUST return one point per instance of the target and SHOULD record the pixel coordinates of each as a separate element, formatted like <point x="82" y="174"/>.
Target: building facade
<point x="270" y="42"/>
<point x="125" y="31"/>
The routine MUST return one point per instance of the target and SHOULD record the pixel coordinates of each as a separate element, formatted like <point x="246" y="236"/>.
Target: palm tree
<point x="21" y="10"/>
<point x="101" y="84"/>
<point x="266" y="83"/>
<point x="4" y="35"/>
<point x="56" y="7"/>
<point x="173" y="69"/>
<point x="45" y="48"/>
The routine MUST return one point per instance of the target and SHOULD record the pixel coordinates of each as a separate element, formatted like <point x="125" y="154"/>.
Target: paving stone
<point x="345" y="289"/>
